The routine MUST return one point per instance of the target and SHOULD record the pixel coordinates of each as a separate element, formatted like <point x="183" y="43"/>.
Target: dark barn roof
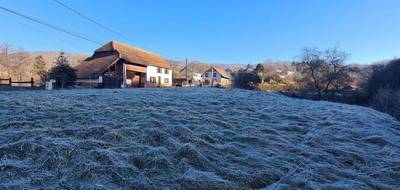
<point x="93" y="67"/>
<point x="113" y="51"/>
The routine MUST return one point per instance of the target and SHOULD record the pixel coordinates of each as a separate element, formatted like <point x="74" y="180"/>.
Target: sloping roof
<point x="111" y="52"/>
<point x="134" y="55"/>
<point x="193" y="68"/>
<point x="219" y="70"/>
<point x="93" y="67"/>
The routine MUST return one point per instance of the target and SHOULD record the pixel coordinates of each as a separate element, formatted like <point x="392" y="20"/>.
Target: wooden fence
<point x="9" y="82"/>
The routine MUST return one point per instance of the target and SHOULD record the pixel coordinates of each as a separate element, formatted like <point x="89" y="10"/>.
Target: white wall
<point x="216" y="79"/>
<point x="151" y="71"/>
<point x="196" y="77"/>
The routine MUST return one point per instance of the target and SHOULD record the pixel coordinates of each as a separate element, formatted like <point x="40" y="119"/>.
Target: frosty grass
<point x="194" y="138"/>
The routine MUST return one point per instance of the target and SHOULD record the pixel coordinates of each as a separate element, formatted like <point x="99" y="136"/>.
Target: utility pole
<point x="186" y="73"/>
<point x="123" y="76"/>
<point x="212" y="75"/>
<point x="5" y="51"/>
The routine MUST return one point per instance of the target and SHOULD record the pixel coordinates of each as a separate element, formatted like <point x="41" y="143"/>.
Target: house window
<point x="153" y="79"/>
<point x="166" y="80"/>
<point x="206" y="74"/>
<point x="165" y="71"/>
<point x="215" y="75"/>
<point x="158" y="70"/>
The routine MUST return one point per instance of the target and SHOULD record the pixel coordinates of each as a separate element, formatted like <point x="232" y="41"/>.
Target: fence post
<point x="9" y="81"/>
<point x="32" y="82"/>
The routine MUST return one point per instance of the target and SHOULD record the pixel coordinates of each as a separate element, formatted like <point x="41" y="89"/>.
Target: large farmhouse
<point x="120" y="65"/>
<point x="216" y="76"/>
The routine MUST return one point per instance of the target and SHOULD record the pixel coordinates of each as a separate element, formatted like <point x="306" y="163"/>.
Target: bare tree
<point x="14" y="60"/>
<point x="337" y="74"/>
<point x="5" y="51"/>
<point x="324" y="71"/>
<point x="20" y="61"/>
<point x="312" y="67"/>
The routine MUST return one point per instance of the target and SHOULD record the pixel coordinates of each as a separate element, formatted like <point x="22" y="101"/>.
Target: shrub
<point x="384" y="76"/>
<point x="387" y="100"/>
<point x="246" y="80"/>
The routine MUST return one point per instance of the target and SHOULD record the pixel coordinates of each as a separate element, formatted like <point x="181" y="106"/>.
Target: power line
<point x="51" y="26"/>
<point x="90" y="19"/>
<point x="109" y="29"/>
<point x="38" y="30"/>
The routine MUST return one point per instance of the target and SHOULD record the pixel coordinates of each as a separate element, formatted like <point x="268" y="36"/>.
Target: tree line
<point x="383" y="87"/>
<point x="326" y="75"/>
<point x="15" y="63"/>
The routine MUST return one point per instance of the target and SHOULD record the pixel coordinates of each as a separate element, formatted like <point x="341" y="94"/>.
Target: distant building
<point x="120" y="65"/>
<point x="196" y="77"/>
<point x="216" y="76"/>
<point x="192" y="75"/>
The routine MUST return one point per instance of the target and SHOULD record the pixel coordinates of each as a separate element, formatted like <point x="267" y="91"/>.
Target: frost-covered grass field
<point x="196" y="138"/>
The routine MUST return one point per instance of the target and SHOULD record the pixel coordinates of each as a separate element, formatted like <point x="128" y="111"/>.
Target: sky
<point x="214" y="31"/>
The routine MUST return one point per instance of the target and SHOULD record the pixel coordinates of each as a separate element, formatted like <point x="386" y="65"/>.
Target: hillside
<point x="24" y="67"/>
<point x="49" y="56"/>
<point x="192" y="138"/>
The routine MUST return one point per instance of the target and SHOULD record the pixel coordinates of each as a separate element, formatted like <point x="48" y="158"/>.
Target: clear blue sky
<point x="220" y="31"/>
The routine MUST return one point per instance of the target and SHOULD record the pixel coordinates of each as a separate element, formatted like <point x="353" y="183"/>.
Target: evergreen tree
<point x="62" y="72"/>
<point x="260" y="68"/>
<point x="39" y="68"/>
<point x="259" y="71"/>
<point x="249" y="68"/>
<point x="61" y="59"/>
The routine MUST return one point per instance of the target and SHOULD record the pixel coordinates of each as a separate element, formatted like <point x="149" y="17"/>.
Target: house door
<point x="136" y="80"/>
<point x="159" y="81"/>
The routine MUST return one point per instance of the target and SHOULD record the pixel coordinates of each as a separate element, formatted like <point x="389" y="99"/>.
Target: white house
<point x="216" y="76"/>
<point x="192" y="74"/>
<point x="196" y="76"/>
<point x="159" y="76"/>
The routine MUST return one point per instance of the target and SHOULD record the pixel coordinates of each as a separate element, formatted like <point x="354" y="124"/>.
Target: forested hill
<point x="49" y="56"/>
<point x="21" y="62"/>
